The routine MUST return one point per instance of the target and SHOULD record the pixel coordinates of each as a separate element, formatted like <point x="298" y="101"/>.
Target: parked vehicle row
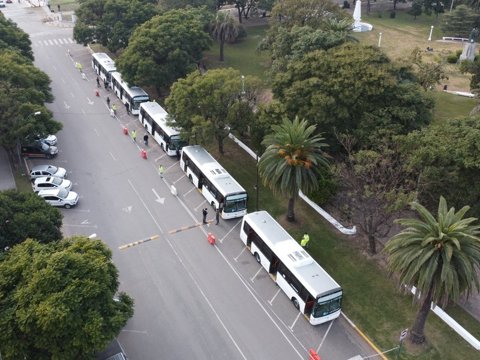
<point x="40" y="146"/>
<point x="49" y="182"/>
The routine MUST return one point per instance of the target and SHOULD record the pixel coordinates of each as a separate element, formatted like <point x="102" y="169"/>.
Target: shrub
<point x="452" y="58"/>
<point x="328" y="188"/>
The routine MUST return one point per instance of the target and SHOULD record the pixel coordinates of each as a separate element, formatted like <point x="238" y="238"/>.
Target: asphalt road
<point x="192" y="300"/>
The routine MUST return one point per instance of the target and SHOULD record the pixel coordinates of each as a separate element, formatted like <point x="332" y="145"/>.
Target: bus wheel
<point x="295" y="303"/>
<point x="257" y="257"/>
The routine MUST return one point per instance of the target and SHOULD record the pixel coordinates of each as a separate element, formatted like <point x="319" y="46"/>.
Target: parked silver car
<point x="47" y="170"/>
<point x="51" y="182"/>
<point x="59" y="197"/>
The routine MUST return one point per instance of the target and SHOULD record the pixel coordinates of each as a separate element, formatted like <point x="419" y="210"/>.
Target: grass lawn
<point x="241" y="56"/>
<point x="449" y="106"/>
<point x="65" y="5"/>
<point x="402" y="34"/>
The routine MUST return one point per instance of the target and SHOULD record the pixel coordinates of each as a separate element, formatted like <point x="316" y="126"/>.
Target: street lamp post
<point x="430" y="36"/>
<point x="36" y="113"/>
<point x="379" y="39"/>
<point x="243" y="85"/>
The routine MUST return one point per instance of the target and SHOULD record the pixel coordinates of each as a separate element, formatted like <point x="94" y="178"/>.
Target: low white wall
<point x="326" y="216"/>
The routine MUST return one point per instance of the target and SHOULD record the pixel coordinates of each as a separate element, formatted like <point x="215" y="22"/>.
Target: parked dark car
<point x="39" y="149"/>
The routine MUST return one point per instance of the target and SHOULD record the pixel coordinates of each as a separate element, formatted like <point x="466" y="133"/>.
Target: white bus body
<point x="311" y="289"/>
<point x="133" y="96"/>
<point x="214" y="182"/>
<point x="154" y="118"/>
<point x="103" y="66"/>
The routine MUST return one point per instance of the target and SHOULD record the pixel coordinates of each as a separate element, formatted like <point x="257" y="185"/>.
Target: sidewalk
<point x="7" y="181"/>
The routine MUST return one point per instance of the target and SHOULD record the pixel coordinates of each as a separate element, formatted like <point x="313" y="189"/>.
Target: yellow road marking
<point x="135" y="243"/>
<point x="189" y="227"/>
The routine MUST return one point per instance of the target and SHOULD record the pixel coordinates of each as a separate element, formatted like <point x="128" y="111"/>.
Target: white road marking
<point x="96" y="132"/>
<point x="295" y="321"/>
<point x="66" y="105"/>
<point x="158" y="198"/>
<point x="80" y="225"/>
<point x="252" y="279"/>
<point x="241" y="252"/>
<point x="274" y="296"/>
<point x="90" y="102"/>
<point x="325" y="336"/>
<point x="113" y="157"/>
<point x="127" y="209"/>
<point x="221" y="240"/>
<point x="200" y="205"/>
<point x="160" y="157"/>
<point x="180" y="178"/>
<point x="189" y="191"/>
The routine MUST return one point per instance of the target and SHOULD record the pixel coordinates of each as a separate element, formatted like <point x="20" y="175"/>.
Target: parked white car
<point x="59" y="197"/>
<point x="51" y="182"/>
<point x="47" y="170"/>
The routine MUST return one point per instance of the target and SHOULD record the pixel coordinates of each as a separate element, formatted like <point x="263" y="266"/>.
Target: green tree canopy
<point x="294" y="160"/>
<point x="353" y="89"/>
<point x="207" y="107"/>
<point x="14" y="38"/>
<point x="57" y="300"/>
<point x="111" y="22"/>
<point x="292" y="44"/>
<point x="25" y="215"/>
<point x="446" y="157"/>
<point x="23" y="90"/>
<point x="439" y="256"/>
<point x="166" y="48"/>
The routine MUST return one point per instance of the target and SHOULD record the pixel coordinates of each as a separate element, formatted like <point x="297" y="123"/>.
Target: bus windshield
<point x="176" y="143"/>
<point x="323" y="308"/>
<point x="234" y="203"/>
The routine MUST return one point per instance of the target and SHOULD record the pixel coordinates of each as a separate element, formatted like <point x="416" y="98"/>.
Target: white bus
<point x="103" y="66"/>
<point x="154" y="118"/>
<point x="214" y="182"/>
<point x="133" y="96"/>
<point x="312" y="291"/>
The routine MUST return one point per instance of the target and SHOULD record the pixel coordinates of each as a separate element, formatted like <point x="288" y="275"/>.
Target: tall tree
<point x="428" y="74"/>
<point x="165" y="48"/>
<point x="353" y="88"/>
<point x="111" y="22"/>
<point x="446" y="158"/>
<point x="23" y="90"/>
<point x="293" y="161"/>
<point x="377" y="185"/>
<point x="224" y="29"/>
<point x="416" y="9"/>
<point x="25" y="215"/>
<point x="14" y="38"/>
<point x="439" y="256"/>
<point x="57" y="300"/>
<point x="210" y="106"/>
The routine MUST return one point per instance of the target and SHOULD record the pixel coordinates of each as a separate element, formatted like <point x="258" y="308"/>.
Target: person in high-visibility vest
<point x="305" y="240"/>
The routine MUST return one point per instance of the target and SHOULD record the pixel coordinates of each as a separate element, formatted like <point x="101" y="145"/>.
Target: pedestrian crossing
<point x="54" y="42"/>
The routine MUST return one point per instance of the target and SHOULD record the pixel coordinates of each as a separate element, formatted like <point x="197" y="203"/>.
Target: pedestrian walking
<point x="84" y="77"/>
<point x="217" y="215"/>
<point x="98" y="82"/>
<point x="145" y="139"/>
<point x="127" y="108"/>
<point x="161" y="170"/>
<point x="108" y="101"/>
<point x="134" y="135"/>
<point x="305" y="240"/>
<point x="112" y="112"/>
<point x="205" y="213"/>
<point x="105" y="83"/>
<point x="114" y="109"/>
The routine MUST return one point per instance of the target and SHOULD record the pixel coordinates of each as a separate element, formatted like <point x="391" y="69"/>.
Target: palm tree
<point x="440" y="257"/>
<point x="293" y="160"/>
<point x="224" y="29"/>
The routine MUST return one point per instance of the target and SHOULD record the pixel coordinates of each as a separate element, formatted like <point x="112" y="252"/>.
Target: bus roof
<point x="133" y="91"/>
<point x="105" y="61"/>
<point x="159" y="115"/>
<point x="316" y="280"/>
<point x="222" y="180"/>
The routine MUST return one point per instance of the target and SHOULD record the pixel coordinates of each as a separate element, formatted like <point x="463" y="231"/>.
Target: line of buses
<point x="310" y="288"/>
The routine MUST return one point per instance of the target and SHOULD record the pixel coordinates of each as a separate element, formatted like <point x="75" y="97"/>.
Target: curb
<point x="372" y="345"/>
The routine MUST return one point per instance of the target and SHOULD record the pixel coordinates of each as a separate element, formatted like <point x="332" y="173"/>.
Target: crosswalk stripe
<point x="55" y="41"/>
<point x="50" y="42"/>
